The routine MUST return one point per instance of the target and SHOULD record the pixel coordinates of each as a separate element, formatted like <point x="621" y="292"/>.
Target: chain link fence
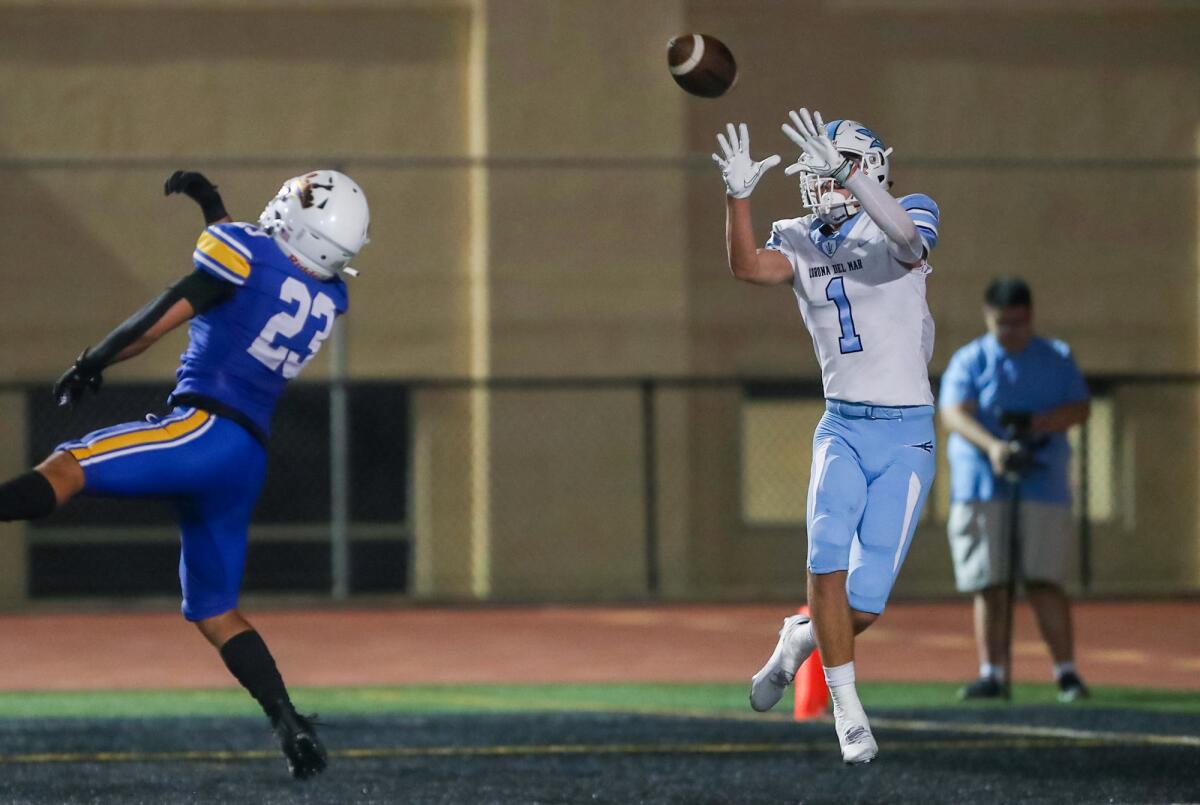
<point x="592" y="489"/>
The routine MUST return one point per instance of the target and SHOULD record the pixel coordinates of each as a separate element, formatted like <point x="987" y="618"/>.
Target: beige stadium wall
<point x="253" y="96"/>
<point x="543" y="207"/>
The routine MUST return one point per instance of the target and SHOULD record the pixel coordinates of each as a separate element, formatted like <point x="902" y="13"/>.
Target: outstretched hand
<point x="70" y="388"/>
<point x="190" y="183"/>
<point x="823" y="157"/>
<point x="740" y="172"/>
<point x="199" y="189"/>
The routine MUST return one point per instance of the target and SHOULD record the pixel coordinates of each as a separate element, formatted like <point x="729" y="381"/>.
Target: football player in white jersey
<point x="857" y="265"/>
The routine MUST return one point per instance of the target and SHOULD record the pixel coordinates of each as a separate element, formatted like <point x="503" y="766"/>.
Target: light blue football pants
<point x="872" y="469"/>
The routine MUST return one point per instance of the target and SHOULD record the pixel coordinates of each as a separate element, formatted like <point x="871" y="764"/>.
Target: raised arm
<point x="904" y="241"/>
<point x="195" y="293"/>
<point x="741" y="173"/>
<point x="748" y="262"/>
<point x="200" y="190"/>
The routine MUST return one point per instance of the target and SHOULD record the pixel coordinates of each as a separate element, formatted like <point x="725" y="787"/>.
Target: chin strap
<point x="904" y="240"/>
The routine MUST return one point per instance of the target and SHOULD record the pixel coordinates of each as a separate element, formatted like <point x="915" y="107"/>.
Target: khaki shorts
<point x="979" y="543"/>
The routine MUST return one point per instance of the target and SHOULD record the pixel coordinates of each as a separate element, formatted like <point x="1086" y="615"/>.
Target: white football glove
<point x="823" y="159"/>
<point x="740" y="172"/>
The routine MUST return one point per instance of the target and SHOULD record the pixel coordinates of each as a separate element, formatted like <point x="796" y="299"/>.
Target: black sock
<point x="249" y="660"/>
<point x="26" y="497"/>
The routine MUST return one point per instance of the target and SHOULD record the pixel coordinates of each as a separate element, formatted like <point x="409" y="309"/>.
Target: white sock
<point x="988" y="670"/>
<point x="840" y="680"/>
<point x="839" y="675"/>
<point x="1061" y="668"/>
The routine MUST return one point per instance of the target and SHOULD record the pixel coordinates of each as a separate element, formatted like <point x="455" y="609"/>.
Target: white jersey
<point x="865" y="310"/>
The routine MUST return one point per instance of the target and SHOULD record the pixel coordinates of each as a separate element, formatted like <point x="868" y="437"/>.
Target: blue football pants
<point x="209" y="468"/>
<point x="872" y="470"/>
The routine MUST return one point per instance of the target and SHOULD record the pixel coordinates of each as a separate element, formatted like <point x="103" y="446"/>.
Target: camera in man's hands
<point x="1018" y="432"/>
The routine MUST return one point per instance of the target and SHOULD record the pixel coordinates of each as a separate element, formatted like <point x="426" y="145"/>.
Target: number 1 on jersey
<point x="835" y="292"/>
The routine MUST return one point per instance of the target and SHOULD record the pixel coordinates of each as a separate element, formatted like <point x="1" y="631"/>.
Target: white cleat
<point x="768" y="685"/>
<point x="858" y="744"/>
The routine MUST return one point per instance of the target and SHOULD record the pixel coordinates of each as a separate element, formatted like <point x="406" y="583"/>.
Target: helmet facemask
<point x="820" y="194"/>
<point x="855" y="142"/>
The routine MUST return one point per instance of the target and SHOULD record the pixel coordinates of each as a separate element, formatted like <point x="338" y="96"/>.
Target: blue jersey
<point x="244" y="351"/>
<point x="1039" y="379"/>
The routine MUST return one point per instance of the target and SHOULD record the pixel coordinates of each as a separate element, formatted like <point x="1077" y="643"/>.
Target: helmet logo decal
<point x="875" y="141"/>
<point x="304" y="191"/>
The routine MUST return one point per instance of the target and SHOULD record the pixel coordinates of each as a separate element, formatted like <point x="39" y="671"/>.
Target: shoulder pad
<point x="221" y="250"/>
<point x="920" y="201"/>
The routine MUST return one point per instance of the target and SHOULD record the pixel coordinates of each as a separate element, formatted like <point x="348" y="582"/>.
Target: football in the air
<point x="701" y="64"/>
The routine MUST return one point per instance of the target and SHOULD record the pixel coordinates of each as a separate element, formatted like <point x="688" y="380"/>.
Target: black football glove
<point x="82" y="375"/>
<point x="200" y="190"/>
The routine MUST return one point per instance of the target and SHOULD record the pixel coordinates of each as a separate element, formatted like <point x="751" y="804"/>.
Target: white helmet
<point x="851" y="139"/>
<point x="319" y="220"/>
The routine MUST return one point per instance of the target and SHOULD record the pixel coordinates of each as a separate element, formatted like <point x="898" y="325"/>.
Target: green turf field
<point x="650" y="698"/>
<point x="648" y="743"/>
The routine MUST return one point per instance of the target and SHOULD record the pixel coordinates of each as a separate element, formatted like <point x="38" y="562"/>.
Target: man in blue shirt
<point x="1011" y="370"/>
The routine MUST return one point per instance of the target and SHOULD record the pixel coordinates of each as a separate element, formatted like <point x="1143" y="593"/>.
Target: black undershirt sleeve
<point x="203" y="290"/>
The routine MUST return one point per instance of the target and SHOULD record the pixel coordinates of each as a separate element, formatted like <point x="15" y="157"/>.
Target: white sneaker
<point x="768" y="685"/>
<point x="854" y="735"/>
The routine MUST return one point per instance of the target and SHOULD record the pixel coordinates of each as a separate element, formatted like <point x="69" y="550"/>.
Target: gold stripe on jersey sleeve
<point x="216" y="249"/>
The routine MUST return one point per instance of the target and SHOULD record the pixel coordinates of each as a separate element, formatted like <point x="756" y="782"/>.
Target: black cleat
<point x="986" y="687"/>
<point x="306" y="756"/>
<point x="1071" y="688"/>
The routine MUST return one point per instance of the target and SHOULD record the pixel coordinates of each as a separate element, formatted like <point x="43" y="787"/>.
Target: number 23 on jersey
<point x="278" y="357"/>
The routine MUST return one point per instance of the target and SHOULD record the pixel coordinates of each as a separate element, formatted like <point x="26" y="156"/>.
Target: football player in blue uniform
<point x="260" y="302"/>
